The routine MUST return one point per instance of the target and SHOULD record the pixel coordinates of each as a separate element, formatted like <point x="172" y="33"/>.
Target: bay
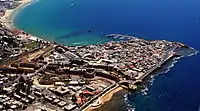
<point x="68" y="21"/>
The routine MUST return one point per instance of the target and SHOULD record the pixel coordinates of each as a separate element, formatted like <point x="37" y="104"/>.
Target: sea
<point x="69" y="21"/>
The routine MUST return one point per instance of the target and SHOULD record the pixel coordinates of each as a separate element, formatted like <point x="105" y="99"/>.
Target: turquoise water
<point x="54" y="20"/>
<point x="157" y="19"/>
<point x="175" y="20"/>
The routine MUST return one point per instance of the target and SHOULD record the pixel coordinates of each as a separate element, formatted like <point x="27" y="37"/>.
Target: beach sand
<point x="6" y="19"/>
<point x="105" y="100"/>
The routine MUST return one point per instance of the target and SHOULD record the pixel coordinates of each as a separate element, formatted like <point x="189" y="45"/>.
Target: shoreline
<point x="100" y="101"/>
<point x="103" y="99"/>
<point x="109" y="95"/>
<point x="7" y="18"/>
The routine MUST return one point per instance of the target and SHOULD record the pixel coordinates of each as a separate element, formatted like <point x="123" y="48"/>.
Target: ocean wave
<point x="80" y="43"/>
<point x="151" y="81"/>
<point x="144" y="91"/>
<point x="129" y="107"/>
<point x="165" y="69"/>
<point x="195" y="52"/>
<point x="187" y="52"/>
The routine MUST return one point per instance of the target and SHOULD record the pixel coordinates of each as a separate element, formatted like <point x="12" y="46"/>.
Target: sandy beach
<point x="105" y="98"/>
<point x="6" y="19"/>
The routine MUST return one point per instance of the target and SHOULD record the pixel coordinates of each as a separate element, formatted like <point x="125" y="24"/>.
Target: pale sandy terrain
<point x="6" y="18"/>
<point x="105" y="98"/>
<point x="8" y="22"/>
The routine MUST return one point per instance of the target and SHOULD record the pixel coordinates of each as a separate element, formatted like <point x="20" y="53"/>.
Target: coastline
<point x="115" y="102"/>
<point x="104" y="99"/>
<point x="7" y="19"/>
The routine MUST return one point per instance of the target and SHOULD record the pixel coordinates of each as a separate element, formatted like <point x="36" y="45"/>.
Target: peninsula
<point x="39" y="75"/>
<point x="42" y="75"/>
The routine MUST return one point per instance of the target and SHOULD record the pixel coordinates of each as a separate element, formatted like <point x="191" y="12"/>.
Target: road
<point x="37" y="71"/>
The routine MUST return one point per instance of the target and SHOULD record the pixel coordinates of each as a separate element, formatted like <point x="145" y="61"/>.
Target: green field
<point x="31" y="45"/>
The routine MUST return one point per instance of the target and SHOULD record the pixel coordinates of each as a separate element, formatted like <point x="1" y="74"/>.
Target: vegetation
<point x="31" y="45"/>
<point x="140" y="87"/>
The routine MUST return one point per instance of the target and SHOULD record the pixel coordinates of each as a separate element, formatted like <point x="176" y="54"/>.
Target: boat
<point x="89" y="30"/>
<point x="72" y="5"/>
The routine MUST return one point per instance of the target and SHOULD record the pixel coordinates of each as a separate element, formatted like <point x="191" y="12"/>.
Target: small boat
<point x="72" y="5"/>
<point x="89" y="30"/>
